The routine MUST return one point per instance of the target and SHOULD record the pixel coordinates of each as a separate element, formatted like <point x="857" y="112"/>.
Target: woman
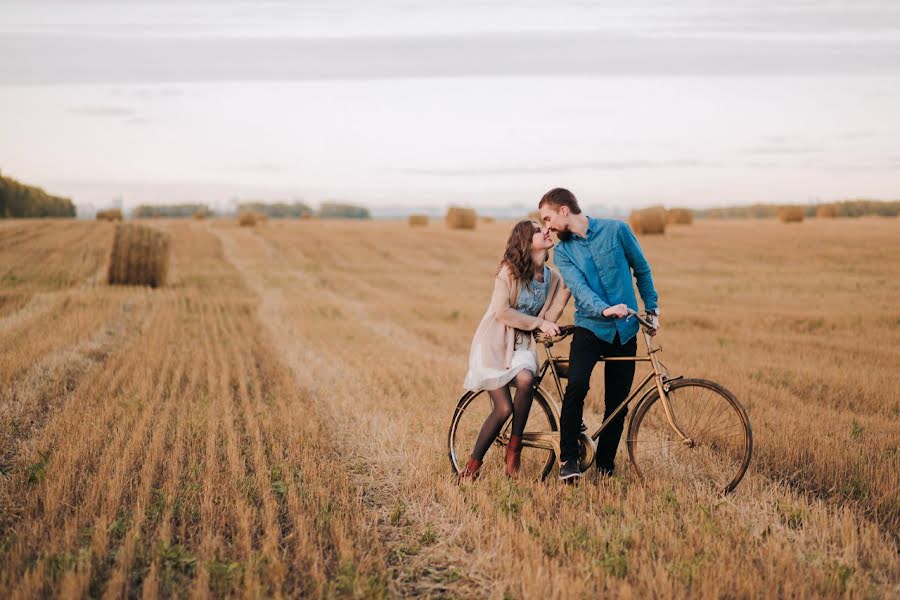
<point x="528" y="295"/>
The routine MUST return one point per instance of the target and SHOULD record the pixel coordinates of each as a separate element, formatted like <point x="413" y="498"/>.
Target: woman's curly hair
<point x="517" y="255"/>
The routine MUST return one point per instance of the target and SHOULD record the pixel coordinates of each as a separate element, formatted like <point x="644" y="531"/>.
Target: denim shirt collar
<point x="591" y="229"/>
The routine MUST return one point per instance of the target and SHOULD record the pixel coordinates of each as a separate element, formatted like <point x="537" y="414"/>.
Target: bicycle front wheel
<point x="472" y="410"/>
<point x="720" y="441"/>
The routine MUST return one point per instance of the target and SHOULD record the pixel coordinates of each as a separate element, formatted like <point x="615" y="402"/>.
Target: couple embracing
<point x="596" y="259"/>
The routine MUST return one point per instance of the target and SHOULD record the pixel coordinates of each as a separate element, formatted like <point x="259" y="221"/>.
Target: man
<point x="596" y="258"/>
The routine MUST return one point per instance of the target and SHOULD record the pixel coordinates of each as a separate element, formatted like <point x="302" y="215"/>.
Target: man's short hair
<point x="561" y="197"/>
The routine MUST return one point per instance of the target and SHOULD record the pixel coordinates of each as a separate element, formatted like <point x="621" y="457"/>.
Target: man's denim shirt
<point x="597" y="270"/>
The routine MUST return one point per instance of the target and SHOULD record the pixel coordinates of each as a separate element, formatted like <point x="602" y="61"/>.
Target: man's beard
<point x="563" y="235"/>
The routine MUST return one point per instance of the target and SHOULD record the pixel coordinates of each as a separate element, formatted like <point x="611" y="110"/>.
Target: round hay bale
<point x="487" y="220"/>
<point x="535" y="215"/>
<point x="248" y="218"/>
<point x="199" y="214"/>
<point x="679" y="216"/>
<point x="650" y="220"/>
<point x="418" y="220"/>
<point x="110" y="214"/>
<point x="139" y="256"/>
<point x="791" y="214"/>
<point x="461" y="218"/>
<point x="826" y="211"/>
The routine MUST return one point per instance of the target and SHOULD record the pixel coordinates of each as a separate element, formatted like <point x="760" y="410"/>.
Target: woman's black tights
<point x="503" y="407"/>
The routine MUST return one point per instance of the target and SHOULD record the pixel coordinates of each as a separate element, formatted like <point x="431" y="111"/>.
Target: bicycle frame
<point x="658" y="375"/>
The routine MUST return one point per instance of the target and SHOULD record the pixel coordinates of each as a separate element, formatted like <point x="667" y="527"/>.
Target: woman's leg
<point x="503" y="407"/>
<point x="522" y="404"/>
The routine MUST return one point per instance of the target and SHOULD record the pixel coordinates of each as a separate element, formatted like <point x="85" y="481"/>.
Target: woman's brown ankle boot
<point x="471" y="471"/>
<point x="514" y="455"/>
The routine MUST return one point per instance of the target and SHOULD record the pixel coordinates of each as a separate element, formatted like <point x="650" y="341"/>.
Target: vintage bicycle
<point x="688" y="429"/>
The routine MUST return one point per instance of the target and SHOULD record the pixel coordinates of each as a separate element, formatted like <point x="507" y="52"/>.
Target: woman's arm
<point x="558" y="304"/>
<point x="505" y="313"/>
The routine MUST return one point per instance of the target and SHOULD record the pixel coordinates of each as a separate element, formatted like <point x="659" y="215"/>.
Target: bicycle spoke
<point x="719" y="435"/>
<point x="536" y="458"/>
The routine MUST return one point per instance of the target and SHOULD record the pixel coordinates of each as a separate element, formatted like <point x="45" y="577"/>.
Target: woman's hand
<point x="549" y="327"/>
<point x="618" y="311"/>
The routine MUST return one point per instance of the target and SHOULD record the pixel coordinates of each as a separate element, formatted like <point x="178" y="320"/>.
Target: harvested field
<point x="273" y="421"/>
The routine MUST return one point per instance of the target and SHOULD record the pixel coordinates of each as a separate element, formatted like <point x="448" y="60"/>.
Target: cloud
<point x="103" y="111"/>
<point x="621" y="165"/>
<point x="263" y="167"/>
<point x="32" y="59"/>
<point x="783" y="149"/>
<point x="853" y="136"/>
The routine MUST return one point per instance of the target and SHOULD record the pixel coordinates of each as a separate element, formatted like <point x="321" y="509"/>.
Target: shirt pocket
<point x="609" y="259"/>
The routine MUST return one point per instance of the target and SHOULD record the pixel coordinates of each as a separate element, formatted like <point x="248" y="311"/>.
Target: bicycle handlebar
<point x="567" y="330"/>
<point x="564" y="332"/>
<point x="641" y="320"/>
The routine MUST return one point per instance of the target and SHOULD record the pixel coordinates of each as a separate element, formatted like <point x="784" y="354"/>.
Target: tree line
<point x="18" y="200"/>
<point x="844" y="208"/>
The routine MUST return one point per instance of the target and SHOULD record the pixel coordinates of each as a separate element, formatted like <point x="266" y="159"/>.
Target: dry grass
<point x="826" y="211"/>
<point x="679" y="216"/>
<point x="110" y="214"/>
<point x="461" y="218"/>
<point x="791" y="214"/>
<point x="273" y="421"/>
<point x="418" y="220"/>
<point x="139" y="256"/>
<point x="650" y="220"/>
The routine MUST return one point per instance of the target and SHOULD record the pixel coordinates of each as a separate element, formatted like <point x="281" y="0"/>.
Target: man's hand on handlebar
<point x="618" y="311"/>
<point x="549" y="328"/>
<point x="653" y="320"/>
<point x="650" y="320"/>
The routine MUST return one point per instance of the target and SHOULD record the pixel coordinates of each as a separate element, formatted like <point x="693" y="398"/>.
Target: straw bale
<point x="679" y="216"/>
<point x="248" y="218"/>
<point x="648" y="220"/>
<point x="826" y="211"/>
<point x="418" y="220"/>
<point x="791" y="214"/>
<point x="139" y="256"/>
<point x="110" y="214"/>
<point x="461" y="218"/>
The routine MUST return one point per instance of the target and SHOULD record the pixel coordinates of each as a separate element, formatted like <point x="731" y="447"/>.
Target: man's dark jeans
<point x="584" y="353"/>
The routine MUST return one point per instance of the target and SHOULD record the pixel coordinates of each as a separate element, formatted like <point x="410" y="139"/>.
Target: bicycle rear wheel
<point x="471" y="412"/>
<point x="721" y="441"/>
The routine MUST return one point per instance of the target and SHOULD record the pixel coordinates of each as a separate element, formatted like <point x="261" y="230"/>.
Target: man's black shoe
<point x="569" y="471"/>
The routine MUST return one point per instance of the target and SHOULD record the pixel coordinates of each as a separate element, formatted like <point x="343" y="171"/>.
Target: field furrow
<point x="273" y="422"/>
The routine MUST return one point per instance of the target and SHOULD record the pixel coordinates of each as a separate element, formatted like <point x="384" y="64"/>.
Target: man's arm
<point x="640" y="266"/>
<point x="578" y="285"/>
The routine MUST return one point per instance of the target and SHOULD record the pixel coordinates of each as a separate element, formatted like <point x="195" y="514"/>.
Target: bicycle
<point x="680" y="428"/>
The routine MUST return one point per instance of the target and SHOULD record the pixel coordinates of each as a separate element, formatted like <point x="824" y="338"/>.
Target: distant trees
<point x="149" y="211"/>
<point x="277" y="210"/>
<point x="18" y="200"/>
<point x="339" y="210"/>
<point x="845" y="208"/>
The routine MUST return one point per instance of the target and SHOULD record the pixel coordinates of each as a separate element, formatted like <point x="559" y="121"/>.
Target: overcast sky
<point x="486" y="103"/>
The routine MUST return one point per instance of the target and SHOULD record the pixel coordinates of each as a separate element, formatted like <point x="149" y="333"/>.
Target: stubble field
<point x="273" y="422"/>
